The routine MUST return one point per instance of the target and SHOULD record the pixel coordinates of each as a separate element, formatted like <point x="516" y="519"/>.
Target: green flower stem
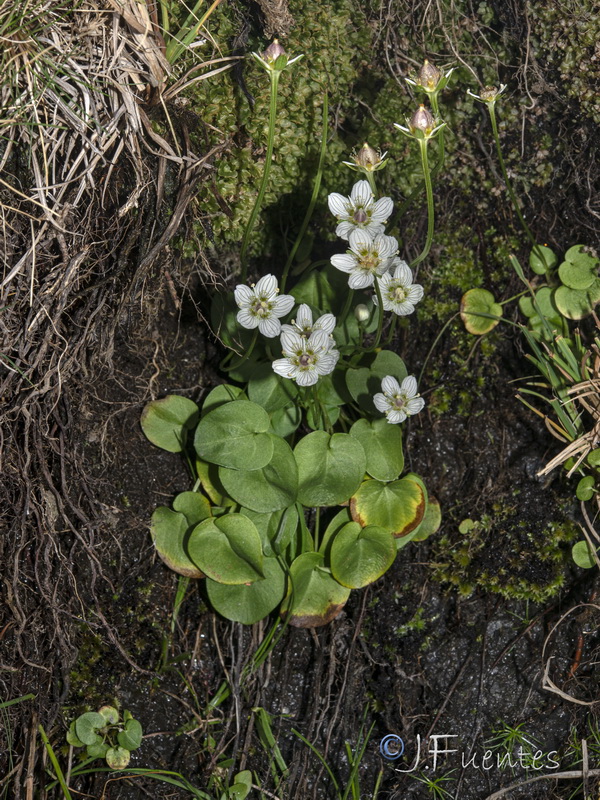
<point x="371" y="179"/>
<point x="274" y="76"/>
<point x="391" y="331"/>
<point x="430" y="210"/>
<point x="245" y="357"/>
<point x="381" y="312"/>
<point x="317" y="526"/>
<point x="516" y="296"/>
<point x="511" y="192"/>
<point x="442" y="154"/>
<point x="313" y="199"/>
<point x="346" y="307"/>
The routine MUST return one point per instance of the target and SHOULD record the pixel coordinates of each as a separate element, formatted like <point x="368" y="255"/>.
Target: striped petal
<point x="269" y="327"/>
<point x="390" y="386"/>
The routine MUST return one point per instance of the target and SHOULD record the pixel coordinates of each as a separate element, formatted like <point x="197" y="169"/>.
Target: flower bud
<point x="422" y="120"/>
<point x="367" y="157"/>
<point x="273" y="51"/>
<point x="428" y="76"/>
<point x="362" y="313"/>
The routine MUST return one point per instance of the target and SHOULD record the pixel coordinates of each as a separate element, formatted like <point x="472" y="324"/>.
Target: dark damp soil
<point x="444" y="644"/>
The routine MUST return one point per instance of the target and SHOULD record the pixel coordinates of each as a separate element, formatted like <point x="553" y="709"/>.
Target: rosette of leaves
<point x="244" y="529"/>
<point x="105" y="734"/>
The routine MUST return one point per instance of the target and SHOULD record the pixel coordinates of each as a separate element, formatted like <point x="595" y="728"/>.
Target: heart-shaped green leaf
<point x="268" y="489"/>
<point x="330" y="468"/>
<point x="361" y="555"/>
<point x="285" y="421"/>
<point x="166" y="422"/>
<point x="219" y="396"/>
<point x="398" y="506"/>
<point x="275" y="529"/>
<point x="170" y="533"/>
<point x="577" y="304"/>
<point x="585" y="488"/>
<point x="131" y="737"/>
<point x="314" y="598"/>
<point x="227" y="549"/>
<point x="98" y="750"/>
<point x="578" y="275"/>
<point x="542" y="259"/>
<point x="335" y="526"/>
<point x="72" y="737"/>
<point x="382" y="444"/>
<point x="249" y="603"/>
<point x="87" y="727"/>
<point x="235" y="435"/>
<point x="583" y="555"/>
<point x="478" y="308"/>
<point x="269" y="390"/>
<point x="110" y="714"/>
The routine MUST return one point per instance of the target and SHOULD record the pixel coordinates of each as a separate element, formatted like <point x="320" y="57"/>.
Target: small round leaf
<point x="330" y="468"/>
<point x="227" y="549"/>
<point x="577" y="303"/>
<point x="585" y="489"/>
<point x="477" y="311"/>
<point x="542" y="259"/>
<point x="131" y="737"/>
<point x="87" y="727"/>
<point x="583" y="555"/>
<point x="361" y="555"/>
<point x="398" y="506"/>
<point x="117" y="757"/>
<point x="382" y="444"/>
<point x="170" y="533"/>
<point x="235" y="435"/>
<point x="220" y="396"/>
<point x="166" y="422"/>
<point x="110" y="714"/>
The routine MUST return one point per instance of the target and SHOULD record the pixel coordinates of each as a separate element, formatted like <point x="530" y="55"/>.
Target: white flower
<point x="366" y="258"/>
<point x="303" y="324"/>
<point x="306" y="359"/>
<point x="398" y="293"/>
<point x="261" y="306"/>
<point x="360" y="211"/>
<point x="398" y="401"/>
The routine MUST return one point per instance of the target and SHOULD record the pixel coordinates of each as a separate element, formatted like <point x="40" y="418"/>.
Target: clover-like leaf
<point x="166" y="422"/>
<point x="585" y="488"/>
<point x="479" y="311"/>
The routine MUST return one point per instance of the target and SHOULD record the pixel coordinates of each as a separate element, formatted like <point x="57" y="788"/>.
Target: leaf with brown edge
<point x="397" y="506"/>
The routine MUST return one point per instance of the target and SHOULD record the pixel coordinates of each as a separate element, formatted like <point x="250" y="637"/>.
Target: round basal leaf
<point x="275" y="529"/>
<point x="97" y="750"/>
<point x="131" y="737"/>
<point x="577" y="304"/>
<point x="432" y="519"/>
<point x="365" y="381"/>
<point x="110" y="714"/>
<point x="361" y="555"/>
<point x="166" y="422"/>
<point x="117" y="757"/>
<point x="314" y="598"/>
<point x="577" y="276"/>
<point x="335" y="526"/>
<point x="193" y="505"/>
<point x="87" y="727"/>
<point x="271" y="391"/>
<point x="285" y="421"/>
<point x="382" y="444"/>
<point x="227" y="549"/>
<point x="268" y="489"/>
<point x="249" y="603"/>
<point x="219" y="396"/>
<point x="478" y="302"/>
<point x="542" y="259"/>
<point x="211" y="483"/>
<point x="576" y="256"/>
<point x="398" y="506"/>
<point x="331" y="390"/>
<point x="585" y="489"/>
<point x="235" y="435"/>
<point x="170" y="533"/>
<point x="544" y="304"/>
<point x="330" y="468"/>
<point x="583" y="555"/>
<point x="72" y="737"/>
<point x="593" y="458"/>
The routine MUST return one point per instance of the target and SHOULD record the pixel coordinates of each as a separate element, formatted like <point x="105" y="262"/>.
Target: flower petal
<point x="304" y="317"/>
<point x="243" y="295"/>
<point x="401" y="309"/>
<point x="307" y="377"/>
<point x="266" y="286"/>
<point x="415" y="405"/>
<point x="415" y="293"/>
<point x="409" y="386"/>
<point x="360" y="279"/>
<point x="359" y="239"/>
<point x="326" y="363"/>
<point x="283" y="304"/>
<point x="344" y="229"/>
<point x="284" y="367"/>
<point x="325" y="323"/>
<point x="395" y="416"/>
<point x="338" y="204"/>
<point x="344" y="262"/>
<point x="361" y="194"/>
<point x="380" y="402"/>
<point x="269" y="327"/>
<point x="390" y="386"/>
<point x="402" y="272"/>
<point x="291" y="341"/>
<point x="318" y="340"/>
<point x="382" y="209"/>
<point x="246" y="320"/>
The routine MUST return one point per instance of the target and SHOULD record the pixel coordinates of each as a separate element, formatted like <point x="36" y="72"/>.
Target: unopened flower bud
<point x="273" y="51"/>
<point x="362" y="313"/>
<point x="422" y="120"/>
<point x="367" y="157"/>
<point x="428" y="76"/>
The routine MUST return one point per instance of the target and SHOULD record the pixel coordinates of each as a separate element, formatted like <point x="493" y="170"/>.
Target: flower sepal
<point x="430" y="79"/>
<point x="489" y="94"/>
<point x="274" y="58"/>
<point x="367" y="160"/>
<point x="422" y="126"/>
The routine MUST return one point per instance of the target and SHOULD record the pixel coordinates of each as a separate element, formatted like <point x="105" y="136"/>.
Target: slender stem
<point x="511" y="193"/>
<point x="245" y="357"/>
<point x="371" y="179"/>
<point x="380" y="321"/>
<point x="317" y="526"/>
<point x="274" y="76"/>
<point x="346" y="307"/>
<point x="430" y="208"/>
<point x="313" y="199"/>
<point x="442" y="154"/>
<point x="391" y="331"/>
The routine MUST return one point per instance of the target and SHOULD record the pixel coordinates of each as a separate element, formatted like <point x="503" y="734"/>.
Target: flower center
<point x="306" y="360"/>
<point x="398" y="402"/>
<point x="261" y="308"/>
<point x="360" y="216"/>
<point x="398" y="294"/>
<point x="369" y="261"/>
